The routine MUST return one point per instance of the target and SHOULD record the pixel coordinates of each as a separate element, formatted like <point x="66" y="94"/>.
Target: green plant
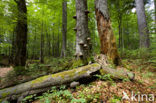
<point x="28" y="98"/>
<point x="115" y="99"/>
<point x="104" y="77"/>
<point x="20" y="70"/>
<point x="125" y="79"/>
<point x="147" y="74"/>
<point x="81" y="100"/>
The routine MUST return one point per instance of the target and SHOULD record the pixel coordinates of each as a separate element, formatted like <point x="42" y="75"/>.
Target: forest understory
<point x="103" y="89"/>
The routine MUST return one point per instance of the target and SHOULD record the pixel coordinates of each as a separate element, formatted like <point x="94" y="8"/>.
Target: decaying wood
<point x="107" y="39"/>
<point x="44" y="83"/>
<point x="49" y="80"/>
<point x="120" y="73"/>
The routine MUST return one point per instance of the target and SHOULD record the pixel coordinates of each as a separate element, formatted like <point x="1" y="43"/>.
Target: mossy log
<point x="44" y="83"/>
<point x="48" y="81"/>
<point x="117" y="73"/>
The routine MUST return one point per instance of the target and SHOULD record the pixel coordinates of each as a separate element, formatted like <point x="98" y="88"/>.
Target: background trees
<point x="44" y="19"/>
<point x="64" y="28"/>
<point x="142" y="24"/>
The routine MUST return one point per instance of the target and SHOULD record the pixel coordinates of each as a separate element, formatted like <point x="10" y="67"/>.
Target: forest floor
<point x="4" y="71"/>
<point x="103" y="90"/>
<point x="107" y="90"/>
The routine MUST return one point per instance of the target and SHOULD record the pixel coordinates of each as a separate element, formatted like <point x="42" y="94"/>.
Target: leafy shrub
<point x="141" y="53"/>
<point x="20" y="70"/>
<point x="104" y="77"/>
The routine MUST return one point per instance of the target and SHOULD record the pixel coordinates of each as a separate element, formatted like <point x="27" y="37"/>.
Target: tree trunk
<point x="13" y="47"/>
<point x="107" y="39"/>
<point x="44" y="83"/>
<point x="34" y="46"/>
<point x="42" y="42"/>
<point x="155" y="14"/>
<point x="82" y="35"/>
<point x="142" y="24"/>
<point x="49" y="80"/>
<point x="21" y="34"/>
<point x="64" y="27"/>
<point x="58" y="43"/>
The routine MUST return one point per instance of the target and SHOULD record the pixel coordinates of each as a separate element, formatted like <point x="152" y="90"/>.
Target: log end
<point x="131" y="76"/>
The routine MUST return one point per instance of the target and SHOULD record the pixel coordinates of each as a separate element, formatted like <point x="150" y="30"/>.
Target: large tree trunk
<point x="44" y="83"/>
<point x="107" y="39"/>
<point x="82" y="36"/>
<point x="142" y="24"/>
<point x="21" y="34"/>
<point x="64" y="27"/>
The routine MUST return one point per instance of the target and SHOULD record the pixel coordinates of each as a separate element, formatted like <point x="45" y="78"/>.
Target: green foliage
<point x="141" y="53"/>
<point x="81" y="100"/>
<point x="148" y="75"/>
<point x="28" y="98"/>
<point x="59" y="95"/>
<point x="104" y="77"/>
<point x="20" y="70"/>
<point x="116" y="99"/>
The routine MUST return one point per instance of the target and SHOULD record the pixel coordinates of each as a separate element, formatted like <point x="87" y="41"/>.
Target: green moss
<point x="70" y="73"/>
<point x="5" y="94"/>
<point x="77" y="63"/>
<point x="39" y="80"/>
<point x="102" y="72"/>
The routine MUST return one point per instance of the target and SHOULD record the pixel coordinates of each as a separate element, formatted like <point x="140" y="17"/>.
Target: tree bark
<point x="107" y="39"/>
<point x="64" y="27"/>
<point x="13" y="47"/>
<point x="42" y="42"/>
<point x="155" y="14"/>
<point x="21" y="34"/>
<point x="82" y="35"/>
<point x="142" y="24"/>
<point x="44" y="83"/>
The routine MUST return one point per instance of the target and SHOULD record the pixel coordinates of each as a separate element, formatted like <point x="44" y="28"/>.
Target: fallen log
<point x="44" y="83"/>
<point x="117" y="73"/>
<point x="120" y="73"/>
<point x="49" y="80"/>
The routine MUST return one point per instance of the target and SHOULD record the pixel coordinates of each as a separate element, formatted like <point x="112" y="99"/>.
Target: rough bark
<point x="21" y="34"/>
<point x="82" y="35"/>
<point x="44" y="83"/>
<point x="107" y="39"/>
<point x="142" y="24"/>
<point x="155" y="14"/>
<point x="64" y="28"/>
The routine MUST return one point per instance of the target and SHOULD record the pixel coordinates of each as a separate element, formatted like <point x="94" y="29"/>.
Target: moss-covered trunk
<point x="44" y="83"/>
<point x="48" y="81"/>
